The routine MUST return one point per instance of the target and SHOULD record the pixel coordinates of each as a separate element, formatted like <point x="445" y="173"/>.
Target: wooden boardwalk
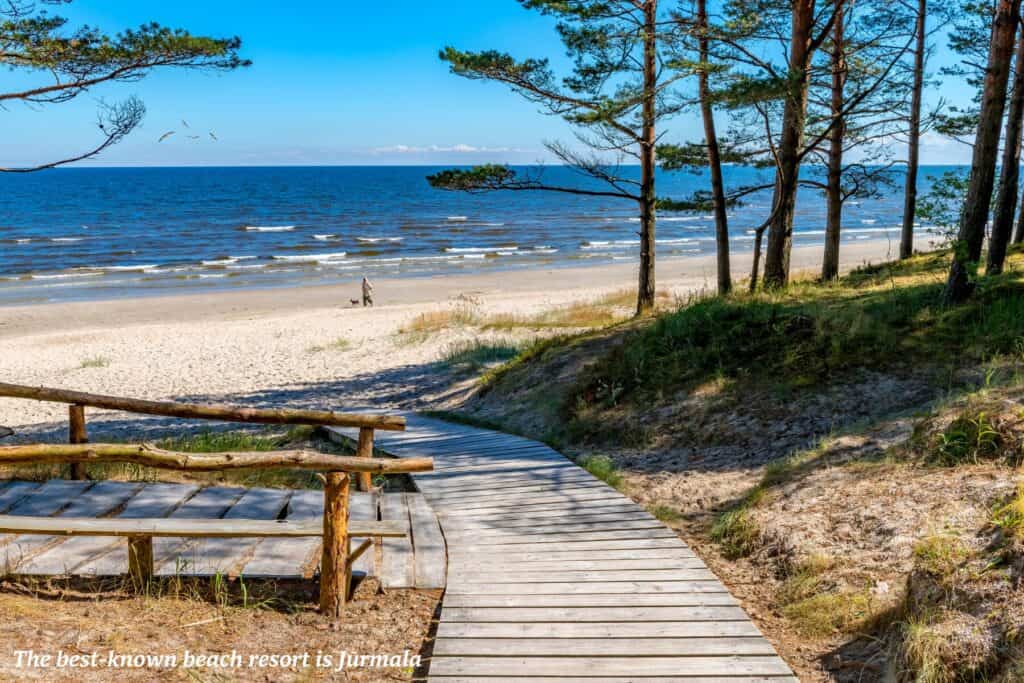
<point x="415" y="562"/>
<point x="555" y="576"/>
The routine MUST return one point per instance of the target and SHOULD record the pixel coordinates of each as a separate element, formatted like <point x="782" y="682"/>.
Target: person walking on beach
<point x="367" y="292"/>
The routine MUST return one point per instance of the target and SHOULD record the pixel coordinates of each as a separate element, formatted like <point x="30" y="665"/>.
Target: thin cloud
<point x="449" y="149"/>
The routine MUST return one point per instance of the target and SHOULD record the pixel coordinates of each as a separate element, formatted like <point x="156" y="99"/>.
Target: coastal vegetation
<point x="740" y="419"/>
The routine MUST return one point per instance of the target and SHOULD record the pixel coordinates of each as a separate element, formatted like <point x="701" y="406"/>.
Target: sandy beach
<point x="282" y="346"/>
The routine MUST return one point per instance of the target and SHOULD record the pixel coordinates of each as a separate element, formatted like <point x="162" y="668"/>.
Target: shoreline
<point x="553" y="286"/>
<point x="309" y="347"/>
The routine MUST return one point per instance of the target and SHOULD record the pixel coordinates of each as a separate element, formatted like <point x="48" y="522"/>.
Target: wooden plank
<point x="15" y="491"/>
<point x="468" y="566"/>
<point x="539" y="539"/>
<point x="614" y="587"/>
<point x="106" y="556"/>
<point x="567" y="527"/>
<point x="590" y="600"/>
<point x="616" y="679"/>
<point x="668" y="551"/>
<point x="398" y="568"/>
<point x="665" y="542"/>
<point x="610" y="666"/>
<point x="598" y="614"/>
<point x="363" y="508"/>
<point x="293" y="558"/>
<point x="209" y="504"/>
<point x="529" y="521"/>
<point x="50" y="498"/>
<point x="227" y="555"/>
<point x="429" y="550"/>
<point x="539" y="577"/>
<point x="608" y="629"/>
<point x="601" y="647"/>
<point x="100" y="499"/>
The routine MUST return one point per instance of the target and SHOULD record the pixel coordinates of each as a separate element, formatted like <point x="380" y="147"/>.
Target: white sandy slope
<point x="260" y="346"/>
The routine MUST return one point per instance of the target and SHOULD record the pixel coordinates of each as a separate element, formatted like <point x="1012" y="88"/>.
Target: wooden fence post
<point x="365" y="450"/>
<point x="77" y="434"/>
<point x="140" y="560"/>
<point x="334" y="570"/>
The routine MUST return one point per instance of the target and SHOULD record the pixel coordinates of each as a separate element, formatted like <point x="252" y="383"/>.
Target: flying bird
<point x="166" y="135"/>
<point x="185" y="123"/>
<point x="193" y="137"/>
<point x="212" y="136"/>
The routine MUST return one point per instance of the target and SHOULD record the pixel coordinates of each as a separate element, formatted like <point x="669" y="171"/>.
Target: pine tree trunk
<point x="833" y="226"/>
<point x="645" y="294"/>
<point x="1006" y="199"/>
<point x="780" y="230"/>
<point x="714" y="157"/>
<point x="914" y="135"/>
<point x="967" y="248"/>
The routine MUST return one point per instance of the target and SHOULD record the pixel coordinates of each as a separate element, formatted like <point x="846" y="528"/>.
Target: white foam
<point x="62" y="276"/>
<point x="457" y="219"/>
<point x="374" y="240"/>
<point x="128" y="268"/>
<point x="66" y="239"/>
<point x="480" y="250"/>
<point x="269" y="228"/>
<point x="325" y="238"/>
<point x="311" y="258"/>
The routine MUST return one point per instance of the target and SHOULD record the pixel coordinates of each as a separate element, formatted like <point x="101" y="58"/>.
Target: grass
<point x="876" y="317"/>
<point x="736" y="532"/>
<point x="421" y="327"/>
<point x="475" y="354"/>
<point x="666" y="513"/>
<point x="339" y="344"/>
<point x="940" y="556"/>
<point x="94" y="362"/>
<point x="602" y="467"/>
<point x="1009" y="517"/>
<point x="825" y="614"/>
<point x="968" y="439"/>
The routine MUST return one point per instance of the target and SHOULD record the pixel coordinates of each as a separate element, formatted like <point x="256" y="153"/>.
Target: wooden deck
<point x="415" y="562"/>
<point x="555" y="576"/>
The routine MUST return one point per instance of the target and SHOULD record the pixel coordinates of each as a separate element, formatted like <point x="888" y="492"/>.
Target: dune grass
<point x="94" y="362"/>
<point x="874" y="317"/>
<point x="339" y="344"/>
<point x="475" y="354"/>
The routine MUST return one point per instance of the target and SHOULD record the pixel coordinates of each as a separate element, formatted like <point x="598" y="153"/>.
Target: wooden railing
<point x="337" y="557"/>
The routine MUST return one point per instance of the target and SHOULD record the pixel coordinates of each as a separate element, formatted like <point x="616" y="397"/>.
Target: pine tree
<point x="617" y="94"/>
<point x="69" y="63"/>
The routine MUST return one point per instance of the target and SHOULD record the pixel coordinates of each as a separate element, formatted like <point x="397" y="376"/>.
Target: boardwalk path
<point x="554" y="575"/>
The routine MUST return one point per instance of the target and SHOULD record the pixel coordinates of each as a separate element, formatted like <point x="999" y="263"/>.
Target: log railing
<point x="336" y="559"/>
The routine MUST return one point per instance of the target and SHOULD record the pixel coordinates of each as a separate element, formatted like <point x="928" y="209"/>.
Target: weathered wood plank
<point x="428" y="545"/>
<point x="100" y="499"/>
<point x="609" y="666"/>
<point x="398" y="568"/>
<point x="291" y="558"/>
<point x="601" y="647"/>
<point x="616" y="679"/>
<point x="468" y="566"/>
<point x="14" y="491"/>
<point x="540" y="577"/>
<point x="227" y="555"/>
<point x="598" y="614"/>
<point x="596" y="587"/>
<point x="589" y="600"/>
<point x="363" y="508"/>
<point x="107" y="556"/>
<point x="608" y="629"/>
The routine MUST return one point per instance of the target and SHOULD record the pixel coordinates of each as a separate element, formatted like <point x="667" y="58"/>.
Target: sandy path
<point x="261" y="346"/>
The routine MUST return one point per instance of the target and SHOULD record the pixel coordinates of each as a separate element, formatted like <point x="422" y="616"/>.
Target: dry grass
<point x="603" y="311"/>
<point x="339" y="344"/>
<point x="94" y="362"/>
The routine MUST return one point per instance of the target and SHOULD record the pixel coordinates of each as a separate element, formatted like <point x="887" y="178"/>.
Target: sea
<point x="101" y="233"/>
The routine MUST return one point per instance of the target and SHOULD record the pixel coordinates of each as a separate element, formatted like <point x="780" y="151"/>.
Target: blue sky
<point x="332" y="83"/>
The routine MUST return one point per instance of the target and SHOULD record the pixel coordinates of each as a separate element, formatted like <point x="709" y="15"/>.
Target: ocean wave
<point x="66" y="239"/>
<point x="457" y="219"/>
<point x="374" y="240"/>
<point x="325" y="238"/>
<point x="311" y="258"/>
<point x="269" y="228"/>
<point x="62" y="276"/>
<point x="479" y="250"/>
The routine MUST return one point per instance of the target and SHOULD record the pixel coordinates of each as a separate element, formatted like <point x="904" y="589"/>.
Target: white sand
<point x="246" y="346"/>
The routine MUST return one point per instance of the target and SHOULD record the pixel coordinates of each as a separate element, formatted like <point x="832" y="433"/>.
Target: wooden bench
<point x="335" y="529"/>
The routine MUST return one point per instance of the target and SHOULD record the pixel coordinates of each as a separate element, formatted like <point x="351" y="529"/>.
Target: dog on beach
<point x="354" y="302"/>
